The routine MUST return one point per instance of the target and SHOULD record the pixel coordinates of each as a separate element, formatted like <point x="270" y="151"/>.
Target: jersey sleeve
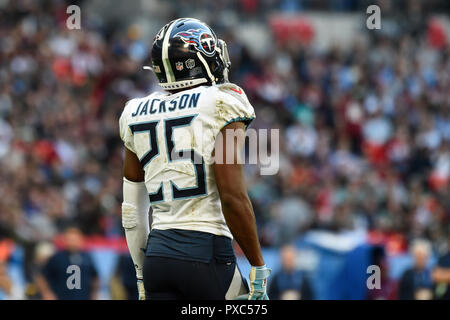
<point x="232" y="105"/>
<point x="125" y="132"/>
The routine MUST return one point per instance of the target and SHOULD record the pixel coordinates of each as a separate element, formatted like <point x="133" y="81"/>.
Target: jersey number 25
<point x="173" y="155"/>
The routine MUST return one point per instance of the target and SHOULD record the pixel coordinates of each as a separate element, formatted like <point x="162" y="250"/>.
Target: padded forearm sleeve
<point x="135" y="207"/>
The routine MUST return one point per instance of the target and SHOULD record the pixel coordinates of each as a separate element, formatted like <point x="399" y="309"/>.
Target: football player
<point x="198" y="205"/>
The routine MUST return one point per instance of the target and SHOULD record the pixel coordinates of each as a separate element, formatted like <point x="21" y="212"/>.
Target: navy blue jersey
<point x="444" y="262"/>
<point x="55" y="272"/>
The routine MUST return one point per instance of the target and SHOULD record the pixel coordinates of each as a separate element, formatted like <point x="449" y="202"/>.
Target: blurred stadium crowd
<point x="364" y="129"/>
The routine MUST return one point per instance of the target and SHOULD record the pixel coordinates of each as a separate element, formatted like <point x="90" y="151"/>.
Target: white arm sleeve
<point x="135" y="207"/>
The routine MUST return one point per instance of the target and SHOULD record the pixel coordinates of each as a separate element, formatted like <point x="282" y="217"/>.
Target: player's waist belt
<point x="189" y="245"/>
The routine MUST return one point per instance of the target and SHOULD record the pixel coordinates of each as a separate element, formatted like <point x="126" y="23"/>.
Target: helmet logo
<point x="179" y="66"/>
<point x="190" y="63"/>
<point x="202" y="40"/>
<point x="207" y="43"/>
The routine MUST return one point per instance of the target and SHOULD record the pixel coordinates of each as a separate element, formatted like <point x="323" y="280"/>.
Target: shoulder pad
<point x="234" y="91"/>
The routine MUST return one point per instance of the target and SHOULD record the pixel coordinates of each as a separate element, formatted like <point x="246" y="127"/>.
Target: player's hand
<point x="258" y="283"/>
<point x="49" y="296"/>
<point x="141" y="289"/>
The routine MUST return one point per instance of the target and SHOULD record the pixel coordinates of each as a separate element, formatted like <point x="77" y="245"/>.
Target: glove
<point x="258" y="283"/>
<point x="141" y="289"/>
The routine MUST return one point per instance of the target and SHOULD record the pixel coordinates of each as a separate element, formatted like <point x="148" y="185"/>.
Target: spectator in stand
<point x="416" y="283"/>
<point x="53" y="281"/>
<point x="42" y="253"/>
<point x="441" y="276"/>
<point x="10" y="289"/>
<point x="290" y="283"/>
<point x="6" y="285"/>
<point x="127" y="275"/>
<point x="387" y="290"/>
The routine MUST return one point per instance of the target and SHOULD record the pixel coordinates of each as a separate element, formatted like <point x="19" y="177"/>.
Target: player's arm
<point x="44" y="288"/>
<point x="42" y="283"/>
<point x="95" y="286"/>
<point x="441" y="275"/>
<point x="135" y="207"/>
<point x="236" y="205"/>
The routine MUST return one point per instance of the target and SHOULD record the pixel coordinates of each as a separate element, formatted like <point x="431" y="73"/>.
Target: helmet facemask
<point x="225" y="58"/>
